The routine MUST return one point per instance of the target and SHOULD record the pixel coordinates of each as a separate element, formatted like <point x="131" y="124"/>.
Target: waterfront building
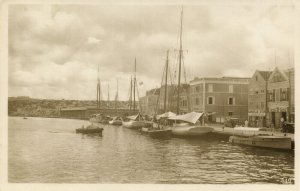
<point x="221" y="97"/>
<point x="257" y="102"/>
<point x="171" y="98"/>
<point x="184" y="99"/>
<point x="280" y="99"/>
<point x="149" y="102"/>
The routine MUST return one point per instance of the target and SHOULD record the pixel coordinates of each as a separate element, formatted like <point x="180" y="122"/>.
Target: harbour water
<point x="45" y="150"/>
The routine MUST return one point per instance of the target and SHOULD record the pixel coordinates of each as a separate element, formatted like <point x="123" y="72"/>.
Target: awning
<point x="165" y="115"/>
<point x="189" y="117"/>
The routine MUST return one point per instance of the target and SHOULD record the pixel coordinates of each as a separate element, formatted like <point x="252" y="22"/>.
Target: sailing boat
<point x="116" y="120"/>
<point x="97" y="118"/>
<point x="135" y="121"/>
<point x="188" y="124"/>
<point x="159" y="128"/>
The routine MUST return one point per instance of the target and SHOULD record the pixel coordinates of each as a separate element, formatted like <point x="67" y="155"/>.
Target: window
<point x="210" y="100"/>
<point x="197" y="101"/>
<point x="283" y="93"/>
<point x="230" y="88"/>
<point x="262" y="104"/>
<point x="210" y="88"/>
<point x="230" y="101"/>
<point x="197" y="89"/>
<point x="184" y="103"/>
<point x="277" y="96"/>
<point x="271" y="95"/>
<point x="230" y="113"/>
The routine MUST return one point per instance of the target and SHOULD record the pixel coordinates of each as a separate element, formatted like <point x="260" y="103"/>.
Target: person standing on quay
<point x="246" y="123"/>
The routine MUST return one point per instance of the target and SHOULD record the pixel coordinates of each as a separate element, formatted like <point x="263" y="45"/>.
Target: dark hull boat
<point x="91" y="129"/>
<point x="157" y="132"/>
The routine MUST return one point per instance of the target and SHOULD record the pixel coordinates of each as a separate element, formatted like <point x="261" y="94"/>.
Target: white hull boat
<point x="116" y="121"/>
<point x="189" y="125"/>
<point x="254" y="137"/>
<point x="189" y="130"/>
<point x="275" y="142"/>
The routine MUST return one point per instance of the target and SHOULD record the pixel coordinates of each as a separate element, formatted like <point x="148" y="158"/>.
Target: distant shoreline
<point x="49" y="117"/>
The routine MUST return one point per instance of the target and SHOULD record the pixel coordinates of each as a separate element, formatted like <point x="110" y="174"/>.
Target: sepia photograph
<point x="149" y="93"/>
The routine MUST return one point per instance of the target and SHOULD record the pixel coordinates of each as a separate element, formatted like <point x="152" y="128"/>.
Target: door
<point x="273" y="118"/>
<point x="283" y="115"/>
<point x="277" y="119"/>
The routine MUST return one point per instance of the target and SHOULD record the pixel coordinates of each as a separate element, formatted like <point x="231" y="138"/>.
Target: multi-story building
<point x="257" y="102"/>
<point x="220" y="97"/>
<point x="172" y="97"/>
<point x="280" y="99"/>
<point x="149" y="103"/>
<point x="169" y="98"/>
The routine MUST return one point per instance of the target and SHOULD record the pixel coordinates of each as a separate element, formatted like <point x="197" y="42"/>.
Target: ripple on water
<point x="49" y="151"/>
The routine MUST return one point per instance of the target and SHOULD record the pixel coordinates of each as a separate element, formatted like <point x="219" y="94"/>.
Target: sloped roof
<point x="283" y="74"/>
<point x="264" y="74"/>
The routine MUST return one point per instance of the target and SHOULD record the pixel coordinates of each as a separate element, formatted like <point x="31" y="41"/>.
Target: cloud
<point x="93" y="40"/>
<point x="55" y="50"/>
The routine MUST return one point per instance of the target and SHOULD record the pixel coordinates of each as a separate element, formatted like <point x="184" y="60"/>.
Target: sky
<point x="55" y="50"/>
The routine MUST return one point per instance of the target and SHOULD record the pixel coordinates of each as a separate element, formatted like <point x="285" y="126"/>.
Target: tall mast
<point x="98" y="91"/>
<point x="134" y="82"/>
<point x="166" y="82"/>
<point x="107" y="95"/>
<point x="97" y="102"/>
<point x="130" y="99"/>
<point x="117" y="94"/>
<point x="180" y="57"/>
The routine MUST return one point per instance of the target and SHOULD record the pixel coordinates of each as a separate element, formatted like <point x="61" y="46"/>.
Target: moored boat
<point x="254" y="137"/>
<point x="134" y="122"/>
<point x="91" y="129"/>
<point x="116" y="121"/>
<point x="96" y="118"/>
<point x="100" y="118"/>
<point x="189" y="125"/>
<point x="157" y="133"/>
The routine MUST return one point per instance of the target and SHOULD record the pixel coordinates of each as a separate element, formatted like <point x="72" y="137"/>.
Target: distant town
<point x="32" y="107"/>
<point x="263" y="100"/>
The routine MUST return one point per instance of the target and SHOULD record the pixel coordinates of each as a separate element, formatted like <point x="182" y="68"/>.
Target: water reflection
<point x="49" y="150"/>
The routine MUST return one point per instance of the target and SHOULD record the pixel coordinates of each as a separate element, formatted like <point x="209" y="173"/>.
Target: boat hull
<point x="133" y="124"/>
<point x="90" y="131"/>
<point x="95" y="120"/>
<point x="263" y="141"/>
<point x="115" y="123"/>
<point x="190" y="131"/>
<point x="157" y="133"/>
